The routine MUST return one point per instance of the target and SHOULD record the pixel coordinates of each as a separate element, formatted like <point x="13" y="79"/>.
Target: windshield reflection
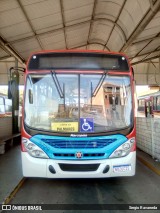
<point x="67" y="102"/>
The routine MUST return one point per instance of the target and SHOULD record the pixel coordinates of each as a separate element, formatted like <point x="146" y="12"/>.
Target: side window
<point x="8" y="106"/>
<point x="158" y="103"/>
<point x="141" y="104"/>
<point x="155" y="103"/>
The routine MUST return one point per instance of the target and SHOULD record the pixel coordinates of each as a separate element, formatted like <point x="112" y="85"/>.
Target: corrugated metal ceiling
<point x="114" y="25"/>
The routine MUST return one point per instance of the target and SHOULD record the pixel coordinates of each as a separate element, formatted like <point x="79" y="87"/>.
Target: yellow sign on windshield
<point x="65" y="126"/>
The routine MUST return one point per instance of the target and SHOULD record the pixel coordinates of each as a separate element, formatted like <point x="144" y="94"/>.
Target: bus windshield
<point x="78" y="103"/>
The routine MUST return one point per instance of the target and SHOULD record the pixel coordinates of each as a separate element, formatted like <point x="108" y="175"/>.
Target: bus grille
<point x="71" y="144"/>
<point x="84" y="155"/>
<point x="79" y="167"/>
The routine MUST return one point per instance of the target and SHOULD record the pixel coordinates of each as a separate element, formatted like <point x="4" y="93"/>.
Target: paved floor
<point x="143" y="188"/>
<point x="148" y="161"/>
<point x="10" y="171"/>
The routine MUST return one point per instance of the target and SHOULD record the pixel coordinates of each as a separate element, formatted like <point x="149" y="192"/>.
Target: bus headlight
<point x="33" y="149"/>
<point x="124" y="149"/>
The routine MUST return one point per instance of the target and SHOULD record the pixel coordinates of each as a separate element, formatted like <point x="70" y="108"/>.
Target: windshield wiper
<point x="57" y="84"/>
<point x="101" y="80"/>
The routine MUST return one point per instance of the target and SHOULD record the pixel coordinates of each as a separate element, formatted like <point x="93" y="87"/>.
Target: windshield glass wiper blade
<point x="101" y="80"/>
<point x="57" y="84"/>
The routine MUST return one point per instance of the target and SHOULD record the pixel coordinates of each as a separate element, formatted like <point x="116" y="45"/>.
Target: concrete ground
<point x="143" y="188"/>
<point x="10" y="171"/>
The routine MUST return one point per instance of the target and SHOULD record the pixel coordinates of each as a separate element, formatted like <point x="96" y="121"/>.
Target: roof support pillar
<point x="15" y="98"/>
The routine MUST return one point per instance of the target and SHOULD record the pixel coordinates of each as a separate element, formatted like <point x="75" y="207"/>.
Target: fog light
<point x="106" y="169"/>
<point x="51" y="169"/>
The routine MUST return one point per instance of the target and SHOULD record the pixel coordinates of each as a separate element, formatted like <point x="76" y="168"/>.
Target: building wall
<point x="148" y="136"/>
<point x="5" y="127"/>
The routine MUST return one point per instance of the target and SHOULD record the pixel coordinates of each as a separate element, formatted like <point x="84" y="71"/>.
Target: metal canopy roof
<point x="127" y="26"/>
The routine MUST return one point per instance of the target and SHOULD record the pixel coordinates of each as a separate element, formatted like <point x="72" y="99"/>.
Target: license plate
<point x="122" y="168"/>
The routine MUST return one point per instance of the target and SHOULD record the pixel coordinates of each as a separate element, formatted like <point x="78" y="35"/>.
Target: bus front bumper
<point x="49" y="168"/>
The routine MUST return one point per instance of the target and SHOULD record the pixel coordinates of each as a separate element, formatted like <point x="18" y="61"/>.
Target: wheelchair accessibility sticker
<point x="86" y="125"/>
